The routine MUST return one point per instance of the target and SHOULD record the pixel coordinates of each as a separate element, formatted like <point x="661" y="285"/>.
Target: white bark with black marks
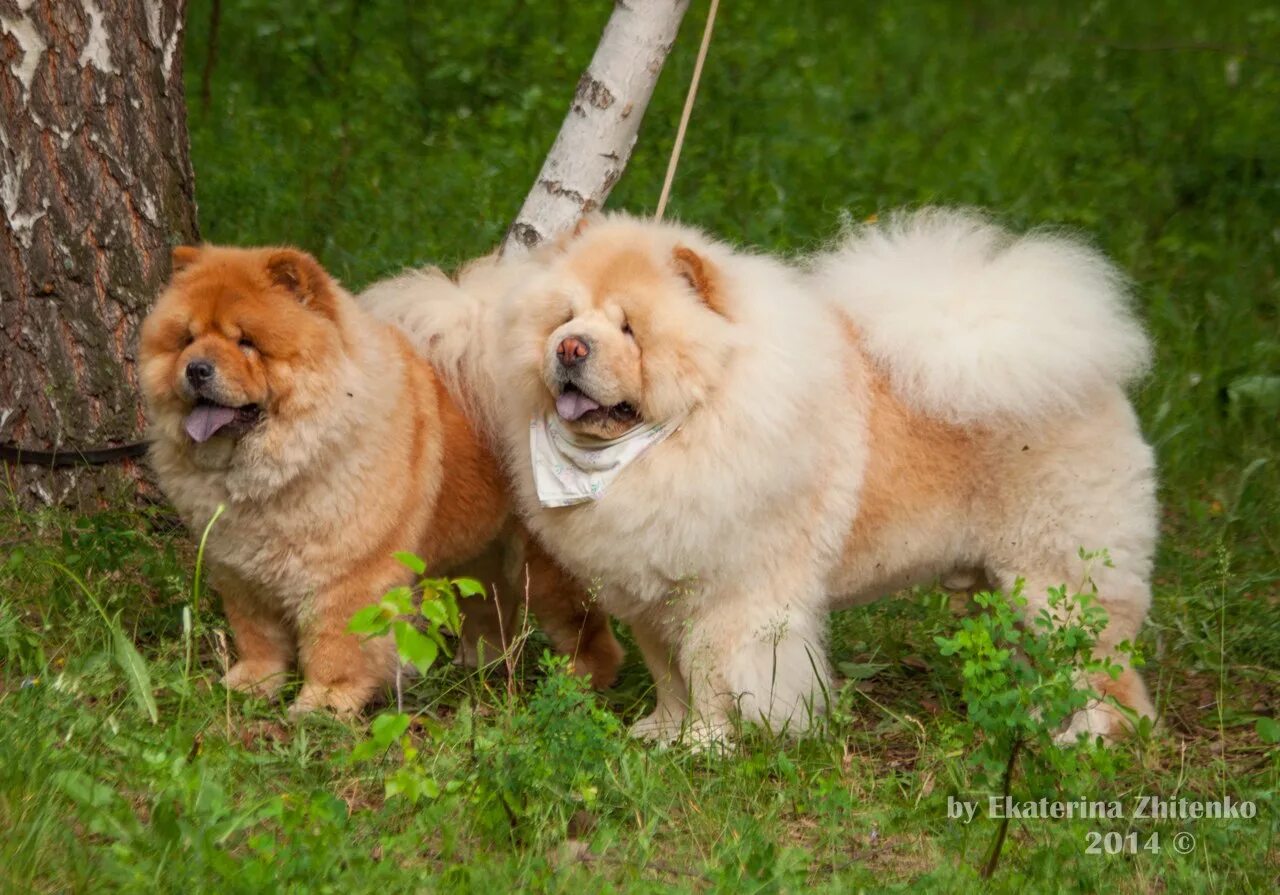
<point x="595" y="141"/>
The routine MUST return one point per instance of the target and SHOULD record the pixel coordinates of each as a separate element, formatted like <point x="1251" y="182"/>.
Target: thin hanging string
<point x="688" y="111"/>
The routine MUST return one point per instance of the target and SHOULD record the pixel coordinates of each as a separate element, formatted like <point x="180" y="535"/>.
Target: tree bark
<point x="95" y="186"/>
<point x="595" y="141"/>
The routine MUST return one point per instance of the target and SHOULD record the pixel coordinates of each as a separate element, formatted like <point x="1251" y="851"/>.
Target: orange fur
<point x="604" y="275"/>
<point x="473" y="503"/>
<point x="921" y="471"/>
<point x="915" y="464"/>
<point x="182" y="256"/>
<point x="700" y="276"/>
<point x="361" y="452"/>
<point x="571" y="619"/>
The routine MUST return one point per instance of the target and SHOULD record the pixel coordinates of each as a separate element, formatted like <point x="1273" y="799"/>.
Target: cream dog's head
<point x="628" y="322"/>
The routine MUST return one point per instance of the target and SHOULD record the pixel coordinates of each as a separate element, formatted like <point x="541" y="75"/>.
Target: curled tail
<point x="970" y="322"/>
<point x="449" y="322"/>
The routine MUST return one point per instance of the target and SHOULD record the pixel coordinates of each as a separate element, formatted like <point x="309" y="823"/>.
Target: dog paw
<point x="599" y="660"/>
<point x="262" y="679"/>
<point x="658" y="727"/>
<point x="703" y="736"/>
<point x="1098" y="719"/>
<point x="959" y="580"/>
<point x="345" y="701"/>
<point x="601" y="670"/>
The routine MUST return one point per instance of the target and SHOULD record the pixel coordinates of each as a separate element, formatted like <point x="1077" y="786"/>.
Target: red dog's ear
<point x="182" y="257"/>
<point x="302" y="276"/>
<point x="701" y="277"/>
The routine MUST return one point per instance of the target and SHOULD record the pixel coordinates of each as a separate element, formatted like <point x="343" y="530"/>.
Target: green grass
<point x="380" y="135"/>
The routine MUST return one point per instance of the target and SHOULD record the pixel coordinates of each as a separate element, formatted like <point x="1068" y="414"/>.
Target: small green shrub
<point x="551" y="757"/>
<point x="1021" y="683"/>
<point x="417" y="644"/>
<point x="419" y="627"/>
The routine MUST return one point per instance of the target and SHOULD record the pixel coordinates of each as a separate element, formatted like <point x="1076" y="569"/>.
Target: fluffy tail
<point x="970" y="322"/>
<point x="448" y="321"/>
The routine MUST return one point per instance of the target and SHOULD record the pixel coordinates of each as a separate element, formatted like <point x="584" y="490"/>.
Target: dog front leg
<point x="264" y="639"/>
<point x="340" y="670"/>
<point x="663" y="724"/>
<point x="755" y="656"/>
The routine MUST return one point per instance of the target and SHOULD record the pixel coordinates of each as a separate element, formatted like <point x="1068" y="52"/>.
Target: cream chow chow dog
<point x="732" y="447"/>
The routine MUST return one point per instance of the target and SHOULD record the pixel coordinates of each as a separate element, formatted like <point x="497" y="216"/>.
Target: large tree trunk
<point x="95" y="186"/>
<point x="594" y="144"/>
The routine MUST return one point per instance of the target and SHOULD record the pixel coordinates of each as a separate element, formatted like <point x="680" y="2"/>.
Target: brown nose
<point x="573" y="351"/>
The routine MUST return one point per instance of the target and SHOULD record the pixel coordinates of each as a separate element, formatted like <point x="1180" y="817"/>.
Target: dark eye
<point x="187" y="338"/>
<point x="626" y="329"/>
<point x="247" y="344"/>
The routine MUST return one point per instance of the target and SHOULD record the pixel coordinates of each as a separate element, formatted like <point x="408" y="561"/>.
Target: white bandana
<point x="568" y="470"/>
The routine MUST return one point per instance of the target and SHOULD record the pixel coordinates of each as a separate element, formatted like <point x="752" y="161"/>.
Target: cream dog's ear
<point x="702" y="278"/>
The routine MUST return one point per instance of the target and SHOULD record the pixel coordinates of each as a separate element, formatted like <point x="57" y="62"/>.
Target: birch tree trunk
<point x="95" y="186"/>
<point x="595" y="141"/>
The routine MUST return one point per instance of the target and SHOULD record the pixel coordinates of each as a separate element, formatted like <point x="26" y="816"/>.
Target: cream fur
<point x="450" y="322"/>
<point x="971" y="323"/>
<point x="932" y="397"/>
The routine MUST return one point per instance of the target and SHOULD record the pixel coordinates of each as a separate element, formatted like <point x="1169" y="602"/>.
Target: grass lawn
<point x="380" y="135"/>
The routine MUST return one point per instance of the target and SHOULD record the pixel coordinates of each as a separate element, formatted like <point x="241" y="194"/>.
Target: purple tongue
<point x="572" y="405"/>
<point x="206" y="419"/>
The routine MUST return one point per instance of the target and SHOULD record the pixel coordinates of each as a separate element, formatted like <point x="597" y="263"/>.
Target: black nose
<point x="199" y="372"/>
<point x="573" y="351"/>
